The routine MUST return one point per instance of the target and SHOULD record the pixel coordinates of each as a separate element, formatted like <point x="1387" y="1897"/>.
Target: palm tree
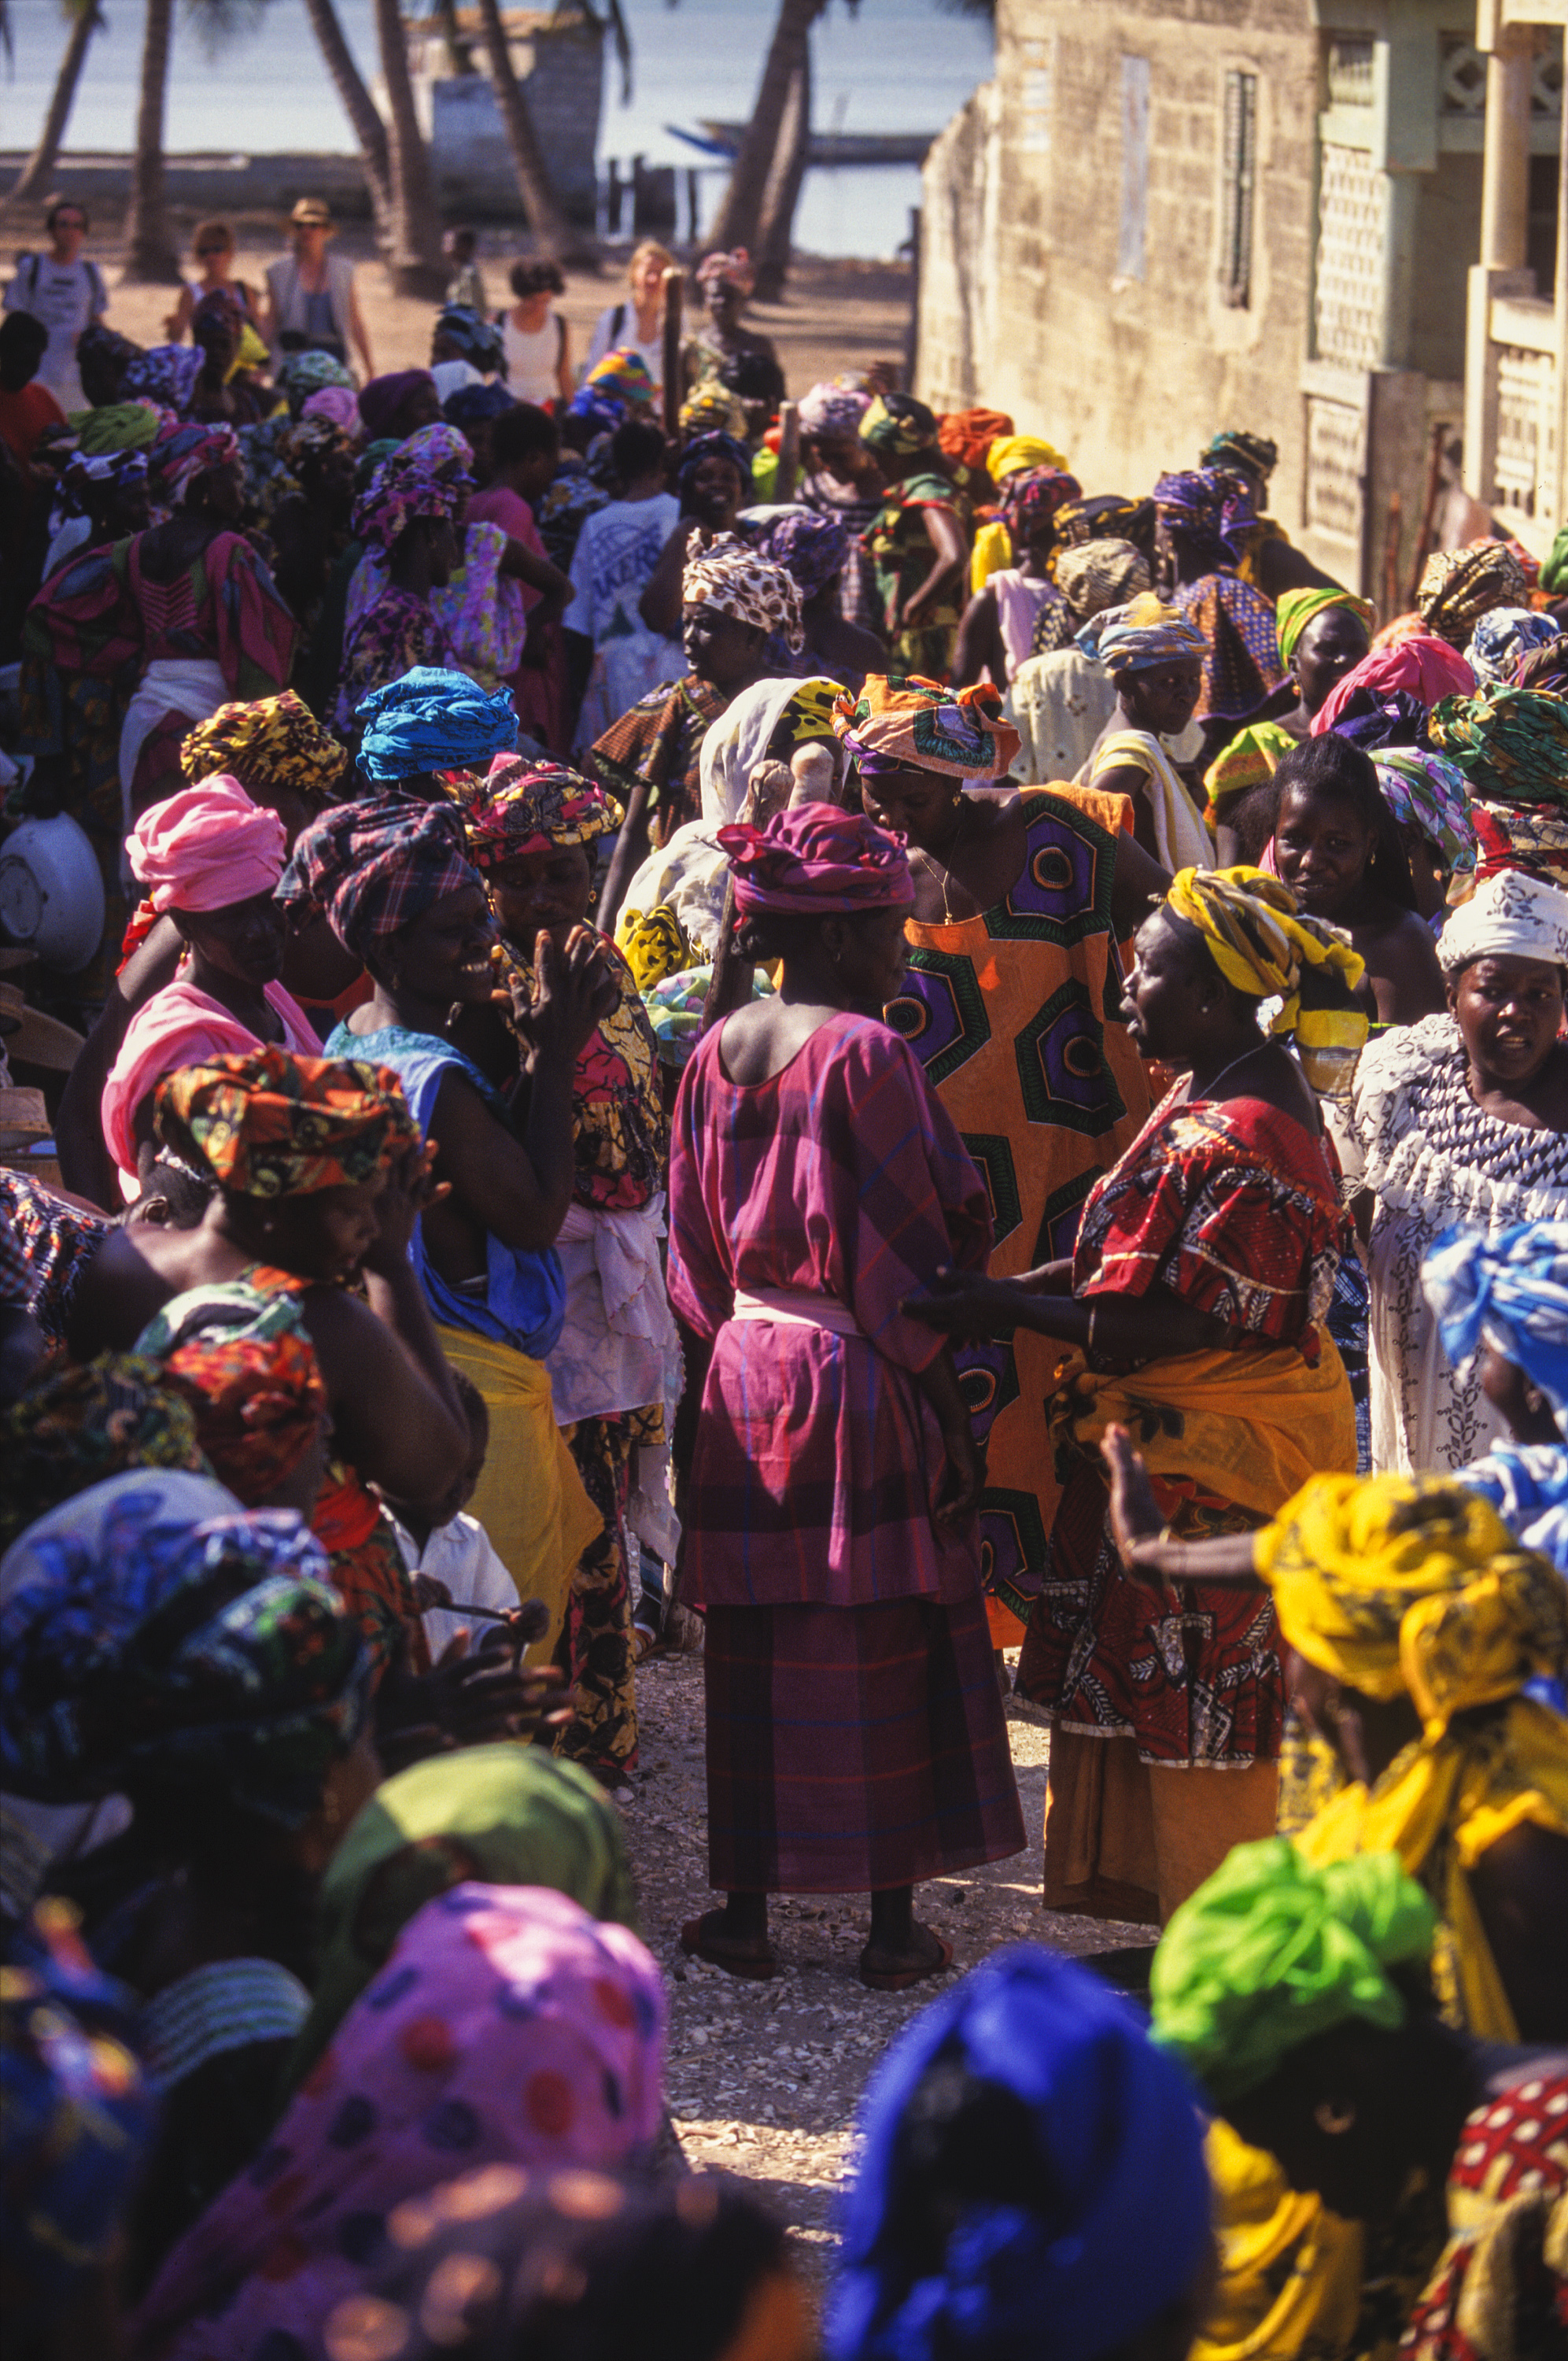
<point x="368" y="129"/>
<point x="740" y="221"/>
<point x="553" y="233"/>
<point x="782" y="193"/>
<point x="414" y="264"/>
<point x="149" y="251"/>
<point x="84" y="19"/>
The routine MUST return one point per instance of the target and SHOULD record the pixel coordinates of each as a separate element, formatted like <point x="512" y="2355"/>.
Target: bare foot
<point x="710" y="1938"/>
<point x="886" y="1969"/>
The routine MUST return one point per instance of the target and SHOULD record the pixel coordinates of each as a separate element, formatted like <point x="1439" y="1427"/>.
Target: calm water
<point x="898" y="65"/>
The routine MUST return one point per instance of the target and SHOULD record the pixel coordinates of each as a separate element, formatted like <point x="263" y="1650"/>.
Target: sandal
<point x="757" y="1969"/>
<point x="900" y="1980"/>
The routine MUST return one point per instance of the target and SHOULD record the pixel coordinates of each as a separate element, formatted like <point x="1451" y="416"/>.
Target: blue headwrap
<point x="601" y="405"/>
<point x="715" y="446"/>
<point x="1528" y="1485"/>
<point x="1502" y="636"/>
<point x="1077" y="2267"/>
<point x="1511" y="1292"/>
<point x="432" y="720"/>
<point x="76" y="2125"/>
<point x="478" y="339"/>
<point x="476" y="405"/>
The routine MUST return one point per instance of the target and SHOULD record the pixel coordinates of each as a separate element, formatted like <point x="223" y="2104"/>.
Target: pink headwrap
<point x="735" y="269"/>
<point x="1424" y="666"/>
<point x="508" y="2027"/>
<point x="206" y="848"/>
<point x="338" y="404"/>
<point x="815" y="859"/>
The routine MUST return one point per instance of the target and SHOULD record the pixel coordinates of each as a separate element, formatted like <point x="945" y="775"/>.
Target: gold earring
<point x="1335" y="2119"/>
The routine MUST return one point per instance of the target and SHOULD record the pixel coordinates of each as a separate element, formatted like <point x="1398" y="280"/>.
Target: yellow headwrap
<point x="1409" y="1585"/>
<point x="655" y="945"/>
<point x="1296" y="608"/>
<point x="1011" y="452"/>
<point x="1263" y="945"/>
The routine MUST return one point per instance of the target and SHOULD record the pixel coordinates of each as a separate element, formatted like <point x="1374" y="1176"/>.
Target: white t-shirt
<point x="605" y="339"/>
<point x="463" y="1556"/>
<point x="65" y="297"/>
<point x="533" y="360"/>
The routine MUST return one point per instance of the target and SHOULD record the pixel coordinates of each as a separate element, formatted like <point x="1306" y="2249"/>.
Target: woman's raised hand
<point x="574" y="991"/>
<point x="410" y="1190"/>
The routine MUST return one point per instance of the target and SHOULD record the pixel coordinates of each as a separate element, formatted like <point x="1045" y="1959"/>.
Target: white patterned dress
<point x="1432" y="1158"/>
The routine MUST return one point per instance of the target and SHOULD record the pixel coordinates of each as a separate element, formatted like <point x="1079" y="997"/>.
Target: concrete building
<point x="558" y="54"/>
<point x="1166" y="216"/>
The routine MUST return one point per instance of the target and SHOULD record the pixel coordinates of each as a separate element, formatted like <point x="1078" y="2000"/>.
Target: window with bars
<point x="1238" y="190"/>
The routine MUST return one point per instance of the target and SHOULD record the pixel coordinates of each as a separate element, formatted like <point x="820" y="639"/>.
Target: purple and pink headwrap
<point x="425" y="477"/>
<point x="832" y="408"/>
<point x="337" y="404"/>
<point x="810" y="546"/>
<point x="1419" y="663"/>
<point x="206" y="848"/>
<point x="815" y="858"/>
<point x="185" y="451"/>
<point x="1208" y="504"/>
<point x="1031" y="496"/>
<point x="381" y="399"/>
<point x="508" y="2031"/>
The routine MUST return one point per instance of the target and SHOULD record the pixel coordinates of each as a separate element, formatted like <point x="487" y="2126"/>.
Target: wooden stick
<point x="673" y="287"/>
<point x="789" y="451"/>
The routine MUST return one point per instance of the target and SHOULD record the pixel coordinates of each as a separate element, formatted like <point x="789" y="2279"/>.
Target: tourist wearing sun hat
<point x="311" y="302"/>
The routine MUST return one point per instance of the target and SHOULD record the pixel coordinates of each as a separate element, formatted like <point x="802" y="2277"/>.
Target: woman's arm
<point x="565" y="384"/>
<point x="532" y="566"/>
<point x="1138" y="881"/>
<point x="518" y="1188"/>
<point x="1127" y="779"/>
<point x="660" y="605"/>
<point x="1138" y="1529"/>
<point x="630" y="852"/>
<point x="357" y="335"/>
<point x="963" y="1480"/>
<point x="85" y="1163"/>
<point x="179" y="320"/>
<point x="946" y="538"/>
<point x="980" y="647"/>
<point x="1117" y="1329"/>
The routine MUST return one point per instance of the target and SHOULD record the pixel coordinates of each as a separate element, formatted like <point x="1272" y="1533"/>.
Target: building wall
<point x="1127" y="366"/>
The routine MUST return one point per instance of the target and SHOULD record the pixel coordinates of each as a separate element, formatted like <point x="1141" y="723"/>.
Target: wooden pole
<point x="674" y="285"/>
<point x="789" y="451"/>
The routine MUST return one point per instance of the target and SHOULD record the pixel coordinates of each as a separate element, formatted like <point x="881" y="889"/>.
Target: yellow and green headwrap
<point x="1252" y="755"/>
<point x="1269" y="1952"/>
<point x="1294" y="610"/>
<point x="1401" y="1584"/>
<point x="654" y="944"/>
<point x="1265" y="947"/>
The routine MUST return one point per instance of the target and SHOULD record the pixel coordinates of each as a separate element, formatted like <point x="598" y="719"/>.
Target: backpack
<point x="34" y="263"/>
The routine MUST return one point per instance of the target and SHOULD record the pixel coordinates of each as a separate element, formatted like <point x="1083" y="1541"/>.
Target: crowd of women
<point x="864" y="1052"/>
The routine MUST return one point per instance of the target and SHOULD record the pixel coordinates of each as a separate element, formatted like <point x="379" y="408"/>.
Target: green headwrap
<point x="1270" y="1951"/>
<point x="502" y="1815"/>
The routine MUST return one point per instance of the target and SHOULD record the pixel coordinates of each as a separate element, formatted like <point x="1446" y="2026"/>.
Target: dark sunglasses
<point x="203" y="252"/>
<point x="68" y="220"/>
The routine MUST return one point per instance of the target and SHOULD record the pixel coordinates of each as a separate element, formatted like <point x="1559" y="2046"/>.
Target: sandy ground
<point x="764" y="2079"/>
<point x="836" y="315"/>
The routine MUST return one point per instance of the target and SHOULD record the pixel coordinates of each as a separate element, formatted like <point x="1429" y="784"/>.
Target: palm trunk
<point x="38" y="170"/>
<point x="415" y="263"/>
<point x="553" y="233"/>
<point x="783" y="192"/>
<point x="739" y="218"/>
<point x="150" y="256"/>
<point x="368" y="129"/>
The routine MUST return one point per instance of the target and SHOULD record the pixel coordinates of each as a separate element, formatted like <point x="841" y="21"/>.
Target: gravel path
<point x="764" y="2078"/>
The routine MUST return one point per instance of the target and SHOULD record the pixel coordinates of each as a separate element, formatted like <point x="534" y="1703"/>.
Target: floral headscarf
<point x="1511" y="916"/>
<point x="897" y="423"/>
<point x="1423" y="792"/>
<point x="625" y="370"/>
<point x="181" y="453"/>
<point x="728" y="575"/>
<point x="252" y="1377"/>
<point x="530" y="805"/>
<point x="272" y="741"/>
<point x="427" y="476"/>
<point x="1512" y="743"/>
<point x="1094" y="575"/>
<point x="832" y="408"/>
<point x="298" y="374"/>
<point x="166" y="375"/>
<point x="902" y="722"/>
<point x="508" y="2029"/>
<point x="1459" y="586"/>
<point x="83" y="1422"/>
<point x="1502" y="636"/>
<point x="154" y="1633"/>
<point x="376" y="866"/>
<point x="710" y="409"/>
<point x="1210" y="505"/>
<point x="1032" y="495"/>
<point x="270" y="1125"/>
<point x="1139" y="636"/>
